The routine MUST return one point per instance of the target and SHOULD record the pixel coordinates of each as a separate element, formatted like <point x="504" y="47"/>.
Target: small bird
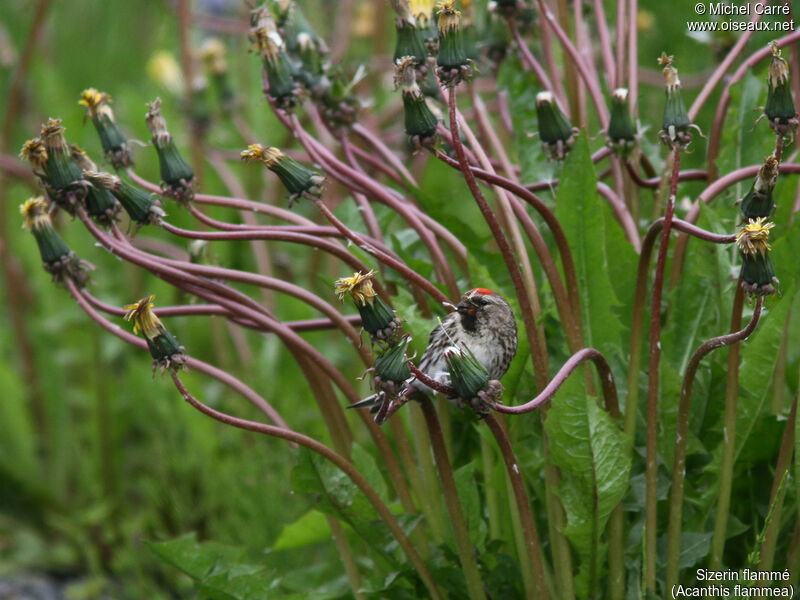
<point x="483" y="322"/>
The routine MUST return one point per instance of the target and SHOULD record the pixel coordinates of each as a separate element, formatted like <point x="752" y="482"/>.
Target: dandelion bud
<point x="176" y="174"/>
<point x="621" y="130"/>
<point x="57" y="258"/>
<point x="100" y="203"/>
<point x="167" y="353"/>
<point x="758" y="275"/>
<point x="779" y="110"/>
<point x="140" y="206"/>
<point x="297" y="178"/>
<point x="759" y="202"/>
<point x="470" y="379"/>
<point x="114" y="143"/>
<point x="453" y="63"/>
<point x="420" y="122"/>
<point x="675" y="126"/>
<point x="555" y="131"/>
<point x="377" y="319"/>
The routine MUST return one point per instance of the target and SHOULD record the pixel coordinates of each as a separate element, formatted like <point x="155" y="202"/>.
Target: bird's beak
<point x="467" y="310"/>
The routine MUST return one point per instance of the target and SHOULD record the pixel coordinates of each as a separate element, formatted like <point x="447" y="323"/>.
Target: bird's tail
<point x="373" y="402"/>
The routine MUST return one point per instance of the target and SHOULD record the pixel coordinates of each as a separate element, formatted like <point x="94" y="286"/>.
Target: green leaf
<point x="311" y="528"/>
<point x="591" y="451"/>
<point x="196" y="560"/>
<point x="580" y="210"/>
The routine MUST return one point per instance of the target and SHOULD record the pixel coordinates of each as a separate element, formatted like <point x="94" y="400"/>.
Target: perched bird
<point x="484" y="323"/>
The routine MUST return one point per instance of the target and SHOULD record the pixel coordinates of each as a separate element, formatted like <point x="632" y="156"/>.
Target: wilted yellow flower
<point x="144" y="320"/>
<point x="778" y="69"/>
<point x="753" y="238"/>
<point x="34" y="214"/>
<point x="669" y="71"/>
<point x="34" y="152"/>
<point x="359" y="286"/>
<point x="269" y="156"/>
<point x="449" y="17"/>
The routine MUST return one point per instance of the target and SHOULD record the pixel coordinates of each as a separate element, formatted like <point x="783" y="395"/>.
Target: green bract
<point x="555" y="130"/>
<point x="141" y="207"/>
<point x="468" y="377"/>
<point x="621" y="130"/>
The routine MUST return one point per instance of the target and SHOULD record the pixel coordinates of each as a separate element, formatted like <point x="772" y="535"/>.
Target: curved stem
<point x="342" y="463"/>
<point x="604" y="373"/>
<point x="681" y="439"/>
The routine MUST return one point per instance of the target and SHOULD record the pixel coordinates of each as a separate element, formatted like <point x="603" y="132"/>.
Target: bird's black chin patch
<point x="468" y="320"/>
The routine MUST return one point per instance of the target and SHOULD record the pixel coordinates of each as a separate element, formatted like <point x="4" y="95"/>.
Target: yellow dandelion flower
<point x="92" y="98"/>
<point x="359" y="286"/>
